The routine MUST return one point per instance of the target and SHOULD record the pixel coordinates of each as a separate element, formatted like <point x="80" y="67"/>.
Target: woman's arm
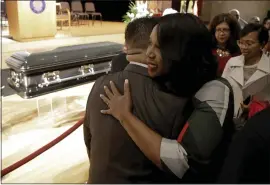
<point x="166" y="154"/>
<point x="200" y="136"/>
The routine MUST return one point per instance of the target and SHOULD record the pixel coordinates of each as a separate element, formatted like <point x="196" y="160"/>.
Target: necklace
<point x="223" y="53"/>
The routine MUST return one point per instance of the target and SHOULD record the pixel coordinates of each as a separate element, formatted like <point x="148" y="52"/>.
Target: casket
<point x="35" y="74"/>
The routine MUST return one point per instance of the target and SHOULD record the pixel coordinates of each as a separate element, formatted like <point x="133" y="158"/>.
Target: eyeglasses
<point x="225" y="30"/>
<point x="246" y="44"/>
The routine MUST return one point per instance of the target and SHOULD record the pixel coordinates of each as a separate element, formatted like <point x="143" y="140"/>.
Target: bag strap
<point x="226" y="82"/>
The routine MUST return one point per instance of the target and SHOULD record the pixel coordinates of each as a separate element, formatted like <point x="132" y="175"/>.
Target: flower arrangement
<point x="136" y="10"/>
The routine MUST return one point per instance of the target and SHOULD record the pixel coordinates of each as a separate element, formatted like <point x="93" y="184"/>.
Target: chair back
<point x="76" y="6"/>
<point x="65" y="5"/>
<point x="65" y="15"/>
<point x="58" y="9"/>
<point x="90" y="7"/>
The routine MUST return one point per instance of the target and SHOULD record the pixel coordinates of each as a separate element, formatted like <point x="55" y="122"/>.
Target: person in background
<point x="249" y="73"/>
<point x="225" y="31"/>
<point x="236" y="14"/>
<point x="255" y="20"/>
<point x="266" y="24"/>
<point x="114" y="158"/>
<point x="179" y="56"/>
<point x="256" y="106"/>
<point x="248" y="160"/>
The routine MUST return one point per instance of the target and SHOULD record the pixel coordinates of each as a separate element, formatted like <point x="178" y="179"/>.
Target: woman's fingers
<point x="108" y="92"/>
<point x="126" y="88"/>
<point x="105" y="99"/>
<point x="114" y="89"/>
<point x="106" y="112"/>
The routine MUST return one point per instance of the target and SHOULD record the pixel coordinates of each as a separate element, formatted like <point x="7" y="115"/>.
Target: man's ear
<point x="128" y="58"/>
<point x="124" y="48"/>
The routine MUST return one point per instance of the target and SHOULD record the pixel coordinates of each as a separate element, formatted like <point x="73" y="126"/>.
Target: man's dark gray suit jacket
<point x="114" y="157"/>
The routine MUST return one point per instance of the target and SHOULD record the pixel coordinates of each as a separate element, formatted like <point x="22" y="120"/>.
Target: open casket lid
<point x="62" y="57"/>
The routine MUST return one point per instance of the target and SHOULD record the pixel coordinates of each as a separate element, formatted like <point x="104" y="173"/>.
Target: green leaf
<point x="132" y="5"/>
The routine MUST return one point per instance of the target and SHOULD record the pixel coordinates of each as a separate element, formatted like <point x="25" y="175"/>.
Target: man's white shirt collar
<point x="139" y="64"/>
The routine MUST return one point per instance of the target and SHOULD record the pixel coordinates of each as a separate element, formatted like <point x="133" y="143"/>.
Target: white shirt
<point x="249" y="71"/>
<point x="139" y="64"/>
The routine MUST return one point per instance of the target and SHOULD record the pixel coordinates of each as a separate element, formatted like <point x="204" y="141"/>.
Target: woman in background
<point x="266" y="24"/>
<point x="249" y="73"/>
<point x="225" y="30"/>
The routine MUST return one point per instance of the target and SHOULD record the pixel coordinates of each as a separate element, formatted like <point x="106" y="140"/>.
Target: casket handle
<point x="50" y="77"/>
<point x="85" y="69"/>
<point x="15" y="78"/>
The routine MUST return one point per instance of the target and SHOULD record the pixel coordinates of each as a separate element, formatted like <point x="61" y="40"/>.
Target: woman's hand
<point x="119" y="105"/>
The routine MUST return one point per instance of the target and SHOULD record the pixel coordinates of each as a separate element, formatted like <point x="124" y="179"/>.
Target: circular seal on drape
<point x="37" y="6"/>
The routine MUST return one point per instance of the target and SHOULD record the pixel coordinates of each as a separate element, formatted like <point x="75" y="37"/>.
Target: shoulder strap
<point x="231" y="104"/>
<point x="226" y="82"/>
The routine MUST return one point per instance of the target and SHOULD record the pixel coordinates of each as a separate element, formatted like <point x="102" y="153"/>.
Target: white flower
<point x="140" y="11"/>
<point x="139" y="15"/>
<point x="130" y="15"/>
<point x="141" y="7"/>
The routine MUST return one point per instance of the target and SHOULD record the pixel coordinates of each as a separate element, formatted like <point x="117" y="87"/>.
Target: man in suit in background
<point x="236" y="14"/>
<point x="248" y="160"/>
<point x="114" y="157"/>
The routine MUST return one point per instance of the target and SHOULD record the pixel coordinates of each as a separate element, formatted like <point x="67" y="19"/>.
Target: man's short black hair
<point x="138" y="32"/>
<point x="252" y="27"/>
